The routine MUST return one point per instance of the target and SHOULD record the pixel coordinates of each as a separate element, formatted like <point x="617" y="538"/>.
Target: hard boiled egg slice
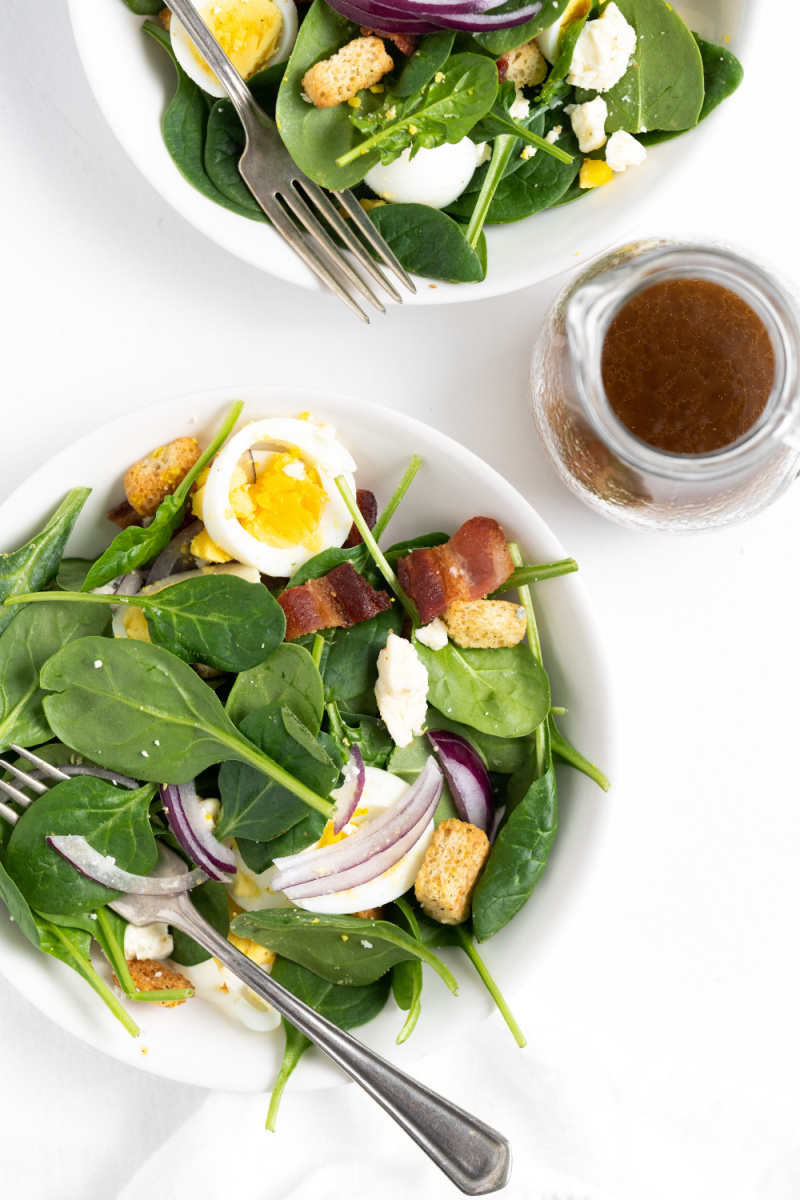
<point x="380" y="790"/>
<point x="251" y="892"/>
<point x="129" y="621"/>
<point x="216" y="984"/>
<point x="253" y="33"/>
<point x="434" y="177"/>
<point x="549" y="38"/>
<point x="292" y="510"/>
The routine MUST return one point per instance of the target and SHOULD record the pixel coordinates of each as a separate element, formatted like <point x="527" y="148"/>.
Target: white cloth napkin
<point x="586" y="1122"/>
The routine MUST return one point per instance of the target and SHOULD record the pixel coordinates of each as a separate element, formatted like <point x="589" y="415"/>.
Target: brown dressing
<point x="687" y="366"/>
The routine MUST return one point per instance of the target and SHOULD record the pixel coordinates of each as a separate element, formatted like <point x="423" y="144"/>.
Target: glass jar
<point x="606" y="465"/>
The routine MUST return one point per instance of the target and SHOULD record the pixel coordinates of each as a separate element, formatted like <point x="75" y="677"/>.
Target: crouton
<point x="158" y="475"/>
<point x="150" y="975"/>
<point x="450" y="870"/>
<point x="359" y="64"/>
<point x="165" y="17"/>
<point x="485" y="624"/>
<point x="370" y="914"/>
<point x="525" y="66"/>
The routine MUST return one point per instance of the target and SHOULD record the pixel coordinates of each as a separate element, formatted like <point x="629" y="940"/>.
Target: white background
<point x="683" y="951"/>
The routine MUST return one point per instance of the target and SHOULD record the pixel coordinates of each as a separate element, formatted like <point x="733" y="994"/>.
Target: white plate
<point x="197" y="1043"/>
<point x="134" y="81"/>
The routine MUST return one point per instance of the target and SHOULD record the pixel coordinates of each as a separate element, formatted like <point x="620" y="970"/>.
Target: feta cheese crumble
<point x="148" y="941"/>
<point x="521" y="107"/>
<point x="588" y="123"/>
<point x="401" y="690"/>
<point x="602" y="51"/>
<point x="433" y="635"/>
<point x="624" y="151"/>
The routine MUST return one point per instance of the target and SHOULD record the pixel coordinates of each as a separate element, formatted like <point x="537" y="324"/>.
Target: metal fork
<point x="472" y="1154"/>
<point x="277" y="184"/>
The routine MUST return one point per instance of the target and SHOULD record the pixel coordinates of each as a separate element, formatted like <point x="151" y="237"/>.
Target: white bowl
<point x="133" y="82"/>
<point x="197" y="1043"/>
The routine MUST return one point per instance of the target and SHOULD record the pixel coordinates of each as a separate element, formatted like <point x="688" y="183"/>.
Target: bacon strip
<point x="124" y="515"/>
<point x="368" y="507"/>
<point x="406" y="42"/>
<point x="473" y="563"/>
<point x="335" y="601"/>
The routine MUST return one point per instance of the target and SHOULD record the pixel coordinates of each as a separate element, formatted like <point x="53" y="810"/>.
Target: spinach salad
<point x="320" y="782"/>
<point x="467" y="121"/>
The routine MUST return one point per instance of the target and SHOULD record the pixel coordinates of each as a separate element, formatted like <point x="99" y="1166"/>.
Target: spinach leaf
<point x="114" y="821"/>
<point x="347" y="950"/>
<point x="407" y="978"/>
<point x="17" y="905"/>
<point x="407" y="761"/>
<point x="565" y="752"/>
<point x="499" y="121"/>
<point x="257" y="807"/>
<point x="556" y="85"/>
<point x="135" y="546"/>
<point x="35" y="564"/>
<point x="288" y="677"/>
<point x="374" y="742"/>
<point x="184" y="129"/>
<point x="500" y="41"/>
<point x="225" y="140"/>
<point x="722" y="74"/>
<point x="429" y="57"/>
<point x="351" y="668"/>
<point x="27" y="644"/>
<point x="504" y="755"/>
<point x="443" y="110"/>
<point x="504" y="692"/>
<point x="260" y="855"/>
<point x="663" y="86"/>
<point x="520" y="850"/>
<point x="430" y="243"/>
<point x="400" y="549"/>
<point x="135" y="708"/>
<point x="71" y="945"/>
<point x="317" y="137"/>
<point x="72" y="573"/>
<point x="326" y="560"/>
<point x="211" y="901"/>
<point x="145" y="8"/>
<point x="347" y="1007"/>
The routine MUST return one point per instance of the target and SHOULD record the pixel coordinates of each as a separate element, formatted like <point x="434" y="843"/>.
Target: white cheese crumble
<point x="433" y="635"/>
<point x="521" y="107"/>
<point x="484" y="153"/>
<point x="554" y="134"/>
<point x="401" y="690"/>
<point x="624" y="151"/>
<point x="528" y="152"/>
<point x="148" y="941"/>
<point x="588" y="123"/>
<point x="602" y="51"/>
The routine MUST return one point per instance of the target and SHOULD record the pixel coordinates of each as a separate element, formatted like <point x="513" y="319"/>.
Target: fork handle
<point x="472" y="1154"/>
<point x="214" y="55"/>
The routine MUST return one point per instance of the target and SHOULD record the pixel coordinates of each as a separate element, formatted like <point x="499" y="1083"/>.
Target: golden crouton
<point x="485" y="624"/>
<point x="158" y="475"/>
<point x="165" y="16"/>
<point x="450" y="870"/>
<point x="359" y="64"/>
<point x="150" y="975"/>
<point x="526" y="65"/>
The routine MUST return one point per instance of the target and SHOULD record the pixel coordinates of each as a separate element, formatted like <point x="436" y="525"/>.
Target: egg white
<point x="318" y="447"/>
<point x="434" y="177"/>
<point x="185" y="52"/>
<point x="217" y="985"/>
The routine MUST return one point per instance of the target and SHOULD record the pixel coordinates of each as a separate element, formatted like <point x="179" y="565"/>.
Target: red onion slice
<point x="368" y="841"/>
<point x="98" y="773"/>
<point x="193" y="832"/>
<point x="103" y="869"/>
<point x="365" y="16"/>
<point x="129" y="584"/>
<point x="466" y="777"/>
<point x="170" y="557"/>
<point x="409" y="17"/>
<point x="351" y="790"/>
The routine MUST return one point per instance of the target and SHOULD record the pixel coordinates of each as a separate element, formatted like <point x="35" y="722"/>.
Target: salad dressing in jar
<point x="665" y="389"/>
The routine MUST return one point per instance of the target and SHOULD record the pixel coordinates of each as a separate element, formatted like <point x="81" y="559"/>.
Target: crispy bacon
<point x="124" y="515"/>
<point x="406" y="42"/>
<point x="335" y="601"/>
<point x="473" y="563"/>
<point x="502" y="67"/>
<point x="368" y="507"/>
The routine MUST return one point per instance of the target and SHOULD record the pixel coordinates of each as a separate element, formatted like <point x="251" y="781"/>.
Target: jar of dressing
<point x="665" y="387"/>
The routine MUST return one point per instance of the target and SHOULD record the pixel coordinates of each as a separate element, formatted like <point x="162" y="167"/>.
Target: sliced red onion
<point x="194" y="833"/>
<point x="129" y="585"/>
<point x="385" y="832"/>
<point x="351" y="790"/>
<point x="361" y="16"/>
<point x="170" y="557"/>
<point x="103" y="869"/>
<point x="406" y="16"/>
<point x="466" y="777"/>
<point x="97" y="772"/>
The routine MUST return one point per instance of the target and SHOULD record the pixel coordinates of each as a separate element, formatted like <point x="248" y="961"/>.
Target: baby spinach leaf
<point x="342" y="949"/>
<point x="663" y="86"/>
<point x="351" y="668"/>
<point x="317" y="137"/>
<point x="407" y="978"/>
<point x="288" y="677"/>
<point x="503" y="692"/>
<point x="347" y="1007"/>
<point x="501" y="41"/>
<point x="373" y="741"/>
<point x="429" y="243"/>
<point x="135" y="708"/>
<point x="520" y="851"/>
<point x="722" y="75"/>
<point x="71" y="945"/>
<point x="257" y="807"/>
<point x="211" y="901"/>
<point x="225" y="140"/>
<point x="556" y="85"/>
<point x="145" y="8"/>
<point x="38" y="632"/>
<point x="326" y="560"/>
<point x="35" y="564"/>
<point x="17" y="905"/>
<point x="260" y="855"/>
<point x="429" y="57"/>
<point x="443" y="110"/>
<point x="565" y="752"/>
<point x="114" y="821"/>
<point x="499" y="121"/>
<point x="504" y="755"/>
<point x="72" y="573"/>
<point x="135" y="546"/>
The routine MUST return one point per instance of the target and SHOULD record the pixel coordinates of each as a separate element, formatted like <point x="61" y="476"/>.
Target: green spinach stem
<point x="535" y="645"/>
<point x="337" y="725"/>
<point x="247" y="752"/>
<point x="516" y="130"/>
<point x="399" y="493"/>
<point x="296" y="1046"/>
<point x="374" y="549"/>
<point x="114" y="952"/>
<point x="468" y="946"/>
<point x="95" y="982"/>
<point x="502" y="149"/>
<point x="316" y="649"/>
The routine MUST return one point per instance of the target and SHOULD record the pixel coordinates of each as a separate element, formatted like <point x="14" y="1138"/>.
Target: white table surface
<point x="111" y="301"/>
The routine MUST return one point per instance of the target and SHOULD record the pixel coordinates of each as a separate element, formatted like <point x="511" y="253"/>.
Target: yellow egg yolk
<point x="329" y="837"/>
<point x="247" y="30"/>
<point x="285" y="504"/>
